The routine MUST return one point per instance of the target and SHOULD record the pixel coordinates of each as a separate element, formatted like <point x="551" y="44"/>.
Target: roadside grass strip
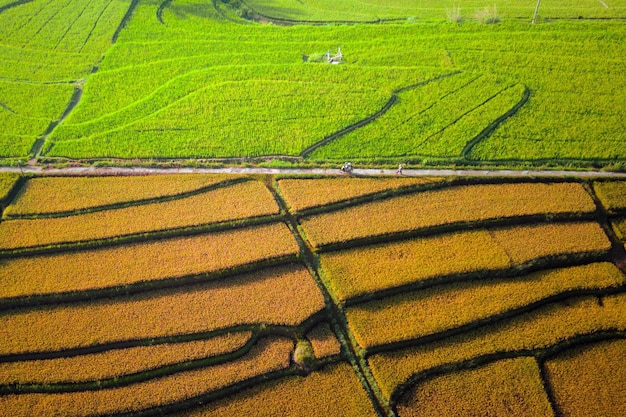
<point x="250" y="199"/>
<point x="509" y="387"/>
<point x="361" y="272"/>
<point x="464" y="204"/>
<point x="142" y="263"/>
<point x="590" y="380"/>
<point x="441" y="309"/>
<point x="302" y="194"/>
<point x="323" y="341"/>
<point x="7" y="183"/>
<point x="612" y="194"/>
<point x="118" y="362"/>
<point x="537" y="330"/>
<point x="269" y="355"/>
<point x="332" y="391"/>
<point x="284" y="296"/>
<point x="47" y="195"/>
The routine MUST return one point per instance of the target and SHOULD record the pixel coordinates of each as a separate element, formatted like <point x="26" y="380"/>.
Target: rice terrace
<point x="177" y="237"/>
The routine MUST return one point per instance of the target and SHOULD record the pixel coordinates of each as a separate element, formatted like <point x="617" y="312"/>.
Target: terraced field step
<point x="246" y="200"/>
<point x="441" y="311"/>
<point x="113" y="366"/>
<point x="331" y="391"/>
<point x="63" y="196"/>
<point x="269" y="355"/>
<point x="455" y="205"/>
<point x="511" y="387"/>
<point x="305" y="194"/>
<point x="285" y="295"/>
<point x="557" y="324"/>
<point x="589" y="379"/>
<point x="359" y="274"/>
<point x="118" y="269"/>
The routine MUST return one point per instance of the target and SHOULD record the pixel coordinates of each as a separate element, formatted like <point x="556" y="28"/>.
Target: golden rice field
<point x="234" y="203"/>
<point x="132" y="264"/>
<point x="509" y="387"/>
<point x="581" y="375"/>
<point x="46" y="195"/>
<point x="7" y="182"/>
<point x="307" y="193"/>
<point x="463" y="204"/>
<point x="119" y="362"/>
<point x="612" y="194"/>
<point x="211" y="295"/>
<point x="619" y="225"/>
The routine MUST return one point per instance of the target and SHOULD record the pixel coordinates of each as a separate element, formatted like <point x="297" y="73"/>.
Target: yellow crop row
<point x="332" y="391"/>
<point x="323" y="341"/>
<point x="282" y="296"/>
<point x="612" y="194"/>
<point x="62" y="194"/>
<point x="118" y="362"/>
<point x="458" y="204"/>
<point x="355" y="272"/>
<point x="267" y="356"/>
<point x="510" y="387"/>
<point x="590" y="381"/>
<point x="538" y="329"/>
<point x="526" y="243"/>
<point x="619" y="225"/>
<point x="360" y="271"/>
<point x="306" y="193"/>
<point x="7" y="181"/>
<point x="422" y="313"/>
<point x="240" y="201"/>
<point x="143" y="262"/>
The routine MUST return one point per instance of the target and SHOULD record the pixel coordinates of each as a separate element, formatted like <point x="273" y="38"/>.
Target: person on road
<point x="399" y="170"/>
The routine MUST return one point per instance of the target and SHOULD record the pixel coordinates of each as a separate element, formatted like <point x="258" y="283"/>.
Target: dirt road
<point x="313" y="171"/>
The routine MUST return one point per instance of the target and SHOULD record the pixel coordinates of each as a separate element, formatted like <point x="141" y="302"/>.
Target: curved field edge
<point x="540" y="355"/>
<point x="256" y="333"/>
<point x="490" y="341"/>
<point x="267" y="356"/>
<point x="11" y="213"/>
<point x="115" y="291"/>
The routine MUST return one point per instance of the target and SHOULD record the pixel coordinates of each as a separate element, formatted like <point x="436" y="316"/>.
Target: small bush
<point x="454" y="14"/>
<point x="303" y="355"/>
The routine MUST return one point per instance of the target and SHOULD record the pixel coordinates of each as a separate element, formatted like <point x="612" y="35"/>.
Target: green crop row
<point x="439" y="122"/>
<point x="224" y="85"/>
<point x="46" y="45"/>
<point x="70" y="25"/>
<point x="356" y="11"/>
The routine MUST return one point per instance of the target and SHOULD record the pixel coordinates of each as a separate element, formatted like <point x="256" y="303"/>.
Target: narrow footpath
<point x="312" y="171"/>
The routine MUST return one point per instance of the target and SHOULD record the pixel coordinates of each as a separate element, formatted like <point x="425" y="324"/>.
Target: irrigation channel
<point x="90" y="170"/>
